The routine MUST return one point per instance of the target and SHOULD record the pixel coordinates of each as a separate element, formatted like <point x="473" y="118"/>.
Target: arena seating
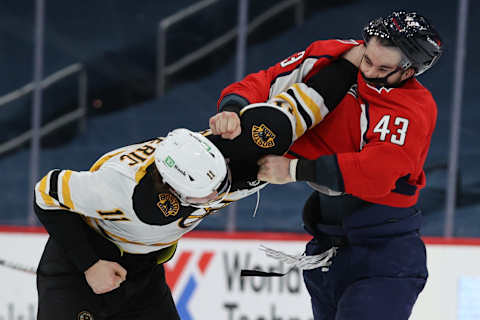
<point x="191" y="100"/>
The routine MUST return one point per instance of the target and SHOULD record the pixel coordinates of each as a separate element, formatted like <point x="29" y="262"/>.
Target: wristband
<point x="293" y="169"/>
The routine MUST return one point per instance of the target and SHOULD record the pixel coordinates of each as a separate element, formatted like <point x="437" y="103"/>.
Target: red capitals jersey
<point x="381" y="139"/>
<point x="299" y="67"/>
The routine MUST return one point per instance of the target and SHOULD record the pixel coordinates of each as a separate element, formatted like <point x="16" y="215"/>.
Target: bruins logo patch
<point x="168" y="204"/>
<point x="263" y="136"/>
<point x="85" y="315"/>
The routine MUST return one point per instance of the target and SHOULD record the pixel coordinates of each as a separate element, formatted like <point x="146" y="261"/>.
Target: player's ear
<point x="410" y="72"/>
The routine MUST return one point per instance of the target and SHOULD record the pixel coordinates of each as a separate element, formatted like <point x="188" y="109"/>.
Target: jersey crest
<point x="263" y="136"/>
<point x="168" y="204"/>
<point x="85" y="315"/>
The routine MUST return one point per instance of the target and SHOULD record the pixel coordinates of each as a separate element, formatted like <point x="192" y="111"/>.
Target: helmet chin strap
<point x="381" y="81"/>
<point x="207" y="204"/>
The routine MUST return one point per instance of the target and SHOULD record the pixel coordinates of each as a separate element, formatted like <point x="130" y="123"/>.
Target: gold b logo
<point x="168" y="204"/>
<point x="263" y="136"/>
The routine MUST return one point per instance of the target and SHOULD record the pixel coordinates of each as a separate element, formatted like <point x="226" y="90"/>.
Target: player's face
<point x="216" y="196"/>
<point x="382" y="62"/>
<point x="211" y="197"/>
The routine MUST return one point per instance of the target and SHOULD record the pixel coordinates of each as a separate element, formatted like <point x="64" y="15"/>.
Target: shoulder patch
<point x="168" y="204"/>
<point x="263" y="136"/>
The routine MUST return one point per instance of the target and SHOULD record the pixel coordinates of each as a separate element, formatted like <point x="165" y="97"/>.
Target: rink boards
<point x="205" y="277"/>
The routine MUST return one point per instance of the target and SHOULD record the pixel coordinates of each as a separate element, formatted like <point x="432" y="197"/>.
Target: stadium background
<point x="114" y="44"/>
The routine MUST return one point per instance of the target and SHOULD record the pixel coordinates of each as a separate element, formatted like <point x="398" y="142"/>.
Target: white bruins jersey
<point x="306" y="107"/>
<point x="117" y="198"/>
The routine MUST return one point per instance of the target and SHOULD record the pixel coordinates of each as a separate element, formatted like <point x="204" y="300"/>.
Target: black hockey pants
<point x="64" y="293"/>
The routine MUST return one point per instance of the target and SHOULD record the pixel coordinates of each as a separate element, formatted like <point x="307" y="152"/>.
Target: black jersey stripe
<point x="296" y="155"/>
<point x="367" y="116"/>
<point x="117" y="219"/>
<point x="110" y="213"/>
<point x="53" y="191"/>
<point x="298" y="66"/>
<point x="305" y="115"/>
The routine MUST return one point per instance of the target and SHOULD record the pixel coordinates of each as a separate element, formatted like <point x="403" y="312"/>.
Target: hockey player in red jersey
<point x="365" y="161"/>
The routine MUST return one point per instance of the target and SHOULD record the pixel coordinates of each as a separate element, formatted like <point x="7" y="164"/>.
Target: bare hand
<point x="274" y="169"/>
<point x="227" y="124"/>
<point x="355" y="55"/>
<point x="105" y="276"/>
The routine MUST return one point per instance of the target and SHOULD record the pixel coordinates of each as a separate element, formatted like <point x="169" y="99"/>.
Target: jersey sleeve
<point x="77" y="192"/>
<point x="304" y="106"/>
<point x="62" y="198"/>
<point x="374" y="171"/>
<point x="299" y="67"/>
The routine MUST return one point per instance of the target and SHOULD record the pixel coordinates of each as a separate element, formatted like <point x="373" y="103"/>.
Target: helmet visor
<point x="216" y="197"/>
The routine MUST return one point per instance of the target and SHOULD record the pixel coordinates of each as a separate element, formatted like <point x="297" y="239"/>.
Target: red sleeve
<point x="373" y="172"/>
<point x="299" y="67"/>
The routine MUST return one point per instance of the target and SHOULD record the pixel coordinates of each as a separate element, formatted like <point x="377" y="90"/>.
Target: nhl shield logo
<point x="263" y="136"/>
<point x="85" y="315"/>
<point x="168" y="204"/>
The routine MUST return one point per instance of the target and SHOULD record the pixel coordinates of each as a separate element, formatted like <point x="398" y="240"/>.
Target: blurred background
<point x="105" y="74"/>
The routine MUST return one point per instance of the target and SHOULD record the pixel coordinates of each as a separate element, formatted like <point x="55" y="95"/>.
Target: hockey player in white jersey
<point x="112" y="228"/>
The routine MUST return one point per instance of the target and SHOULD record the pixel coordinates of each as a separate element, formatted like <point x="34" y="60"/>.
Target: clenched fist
<point x="226" y="124"/>
<point x="105" y="276"/>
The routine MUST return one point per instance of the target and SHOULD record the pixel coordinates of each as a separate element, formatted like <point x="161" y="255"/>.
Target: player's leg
<point x="321" y="296"/>
<point x="150" y="299"/>
<point x="380" y="298"/>
<point x="160" y="307"/>
<point x="321" y="285"/>
<point x="390" y="274"/>
<point x="63" y="292"/>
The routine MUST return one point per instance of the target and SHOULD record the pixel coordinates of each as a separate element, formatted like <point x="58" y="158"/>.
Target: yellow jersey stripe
<point x="143" y="169"/>
<point x="166" y="254"/>
<point x="49" y="201"/>
<point x="299" y="130"/>
<point x="206" y="132"/>
<point x="67" y="199"/>
<point x="113" y="236"/>
<point x="102" y="160"/>
<point x="310" y="104"/>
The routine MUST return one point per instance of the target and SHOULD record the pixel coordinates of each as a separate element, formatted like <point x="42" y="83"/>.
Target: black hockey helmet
<point x="412" y="34"/>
